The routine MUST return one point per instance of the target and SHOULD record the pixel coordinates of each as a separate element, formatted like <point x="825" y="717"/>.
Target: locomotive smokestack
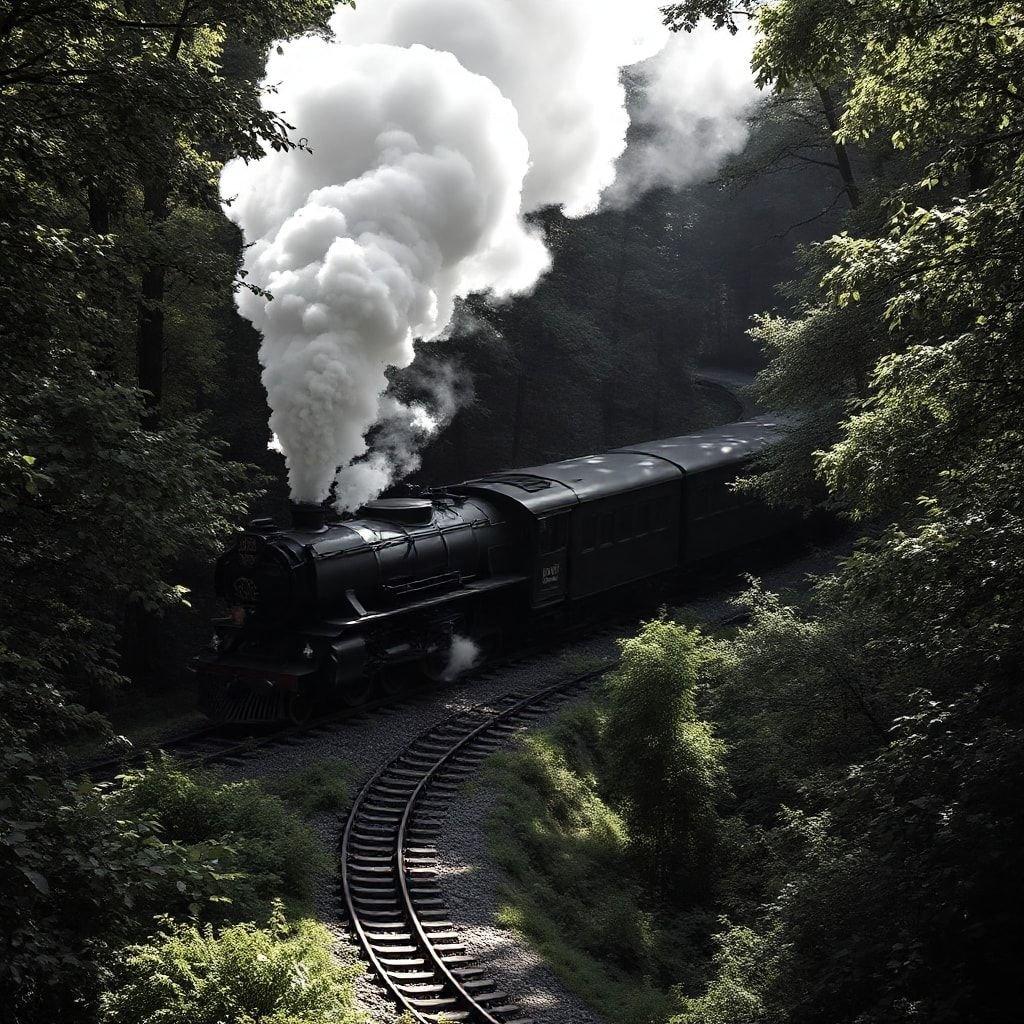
<point x="308" y="516"/>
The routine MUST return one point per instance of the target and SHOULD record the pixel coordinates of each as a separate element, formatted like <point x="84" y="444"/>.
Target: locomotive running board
<point x="473" y="588"/>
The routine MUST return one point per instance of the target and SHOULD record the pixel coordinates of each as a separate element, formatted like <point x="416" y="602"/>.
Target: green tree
<point x="892" y="876"/>
<point x="114" y="118"/>
<point x="665" y="769"/>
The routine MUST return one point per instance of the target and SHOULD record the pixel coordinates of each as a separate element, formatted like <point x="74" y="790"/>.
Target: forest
<point x="809" y="814"/>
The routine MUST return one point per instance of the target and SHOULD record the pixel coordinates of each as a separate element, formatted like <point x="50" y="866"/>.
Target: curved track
<point x="389" y="858"/>
<point x="740" y="407"/>
<point x="220" y="744"/>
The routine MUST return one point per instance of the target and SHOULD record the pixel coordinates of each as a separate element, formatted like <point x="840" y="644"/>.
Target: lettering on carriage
<point x="551" y="574"/>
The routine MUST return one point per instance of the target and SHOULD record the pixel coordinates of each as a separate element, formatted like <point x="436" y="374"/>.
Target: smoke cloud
<point x="436" y="127"/>
<point x="401" y="431"/>
<point x="693" y="99"/>
<point x="559" y="63"/>
<point x="463" y="655"/>
<point x="410" y="198"/>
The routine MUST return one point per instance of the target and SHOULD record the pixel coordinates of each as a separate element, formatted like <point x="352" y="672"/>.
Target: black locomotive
<point x="334" y="606"/>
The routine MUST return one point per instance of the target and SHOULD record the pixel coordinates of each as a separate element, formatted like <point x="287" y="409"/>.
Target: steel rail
<point x="403" y="881"/>
<point x="397" y="851"/>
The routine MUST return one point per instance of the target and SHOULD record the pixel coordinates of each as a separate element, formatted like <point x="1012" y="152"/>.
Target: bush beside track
<point x="584" y="886"/>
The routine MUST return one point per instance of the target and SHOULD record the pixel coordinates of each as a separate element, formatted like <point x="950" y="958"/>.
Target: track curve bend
<point x="389" y="861"/>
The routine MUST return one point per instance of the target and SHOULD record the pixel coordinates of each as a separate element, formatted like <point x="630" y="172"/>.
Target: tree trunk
<point x="979" y="173"/>
<point x="99" y="210"/>
<point x="828" y="107"/>
<point x="140" y="641"/>
<point x="141" y="624"/>
<point x="99" y="223"/>
<point x="150" y="338"/>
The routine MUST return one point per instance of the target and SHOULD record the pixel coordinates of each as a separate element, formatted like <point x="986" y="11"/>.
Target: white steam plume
<point x="401" y="431"/>
<point x="693" y="102"/>
<point x="426" y="158"/>
<point x="558" y="61"/>
<point x="410" y="198"/>
<point x="462" y="656"/>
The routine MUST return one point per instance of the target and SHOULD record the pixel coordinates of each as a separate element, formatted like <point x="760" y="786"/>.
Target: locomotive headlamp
<point x="307" y="652"/>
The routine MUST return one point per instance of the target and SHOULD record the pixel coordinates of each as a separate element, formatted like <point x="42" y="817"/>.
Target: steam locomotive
<point x="334" y="606"/>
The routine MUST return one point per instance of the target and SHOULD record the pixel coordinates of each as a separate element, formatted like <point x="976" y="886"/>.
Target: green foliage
<point x="567" y="856"/>
<point x="724" y="13"/>
<point x="743" y="967"/>
<point x="102" y="112"/>
<point x="321" y="786"/>
<point x="81" y="878"/>
<point x="620" y="791"/>
<point x="267" y="850"/>
<point x="280" y="974"/>
<point x="110" y="142"/>
<point x="88" y="869"/>
<point x="816" y="708"/>
<point x="875" y="730"/>
<point x="665" y="766"/>
<point x="889" y="707"/>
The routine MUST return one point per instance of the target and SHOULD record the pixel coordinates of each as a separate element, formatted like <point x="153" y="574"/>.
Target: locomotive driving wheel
<point x="395" y="680"/>
<point x="299" y="707"/>
<point x="355" y="692"/>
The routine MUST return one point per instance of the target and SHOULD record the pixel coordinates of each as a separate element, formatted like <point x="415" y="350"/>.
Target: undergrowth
<point x="319" y="787"/>
<point x="571" y="877"/>
<point x="279" y="974"/>
<point x="264" y="851"/>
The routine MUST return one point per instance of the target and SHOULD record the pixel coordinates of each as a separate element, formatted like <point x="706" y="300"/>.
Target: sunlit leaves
<point x="905" y="360"/>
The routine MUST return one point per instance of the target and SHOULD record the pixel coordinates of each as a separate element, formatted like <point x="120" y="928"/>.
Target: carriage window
<point x="588" y="533"/>
<point x="623" y="524"/>
<point x="553" y="534"/>
<point x="643" y="518"/>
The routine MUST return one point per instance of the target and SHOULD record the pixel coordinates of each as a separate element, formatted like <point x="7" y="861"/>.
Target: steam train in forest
<point x="334" y="606"/>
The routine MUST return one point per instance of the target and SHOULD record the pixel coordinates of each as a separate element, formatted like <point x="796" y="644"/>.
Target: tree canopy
<point x="905" y="359"/>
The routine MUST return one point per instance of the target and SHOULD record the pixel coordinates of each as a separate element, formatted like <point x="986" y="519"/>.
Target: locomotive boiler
<point x="330" y="607"/>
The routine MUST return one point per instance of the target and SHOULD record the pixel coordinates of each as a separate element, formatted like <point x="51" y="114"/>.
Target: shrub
<point x="322" y="786"/>
<point x="745" y="967"/>
<point x="665" y="766"/>
<point x="81" y="878"/>
<point x="570" y="889"/>
<point x="281" y="974"/>
<point x="268" y="852"/>
<point x="87" y="868"/>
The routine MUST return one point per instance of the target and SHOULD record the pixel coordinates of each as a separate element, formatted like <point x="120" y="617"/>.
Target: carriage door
<point x="552" y="562"/>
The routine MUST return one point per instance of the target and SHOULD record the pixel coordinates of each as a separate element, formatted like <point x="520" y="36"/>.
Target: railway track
<point x="389" y="861"/>
<point x="733" y="387"/>
<point x="217" y="744"/>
